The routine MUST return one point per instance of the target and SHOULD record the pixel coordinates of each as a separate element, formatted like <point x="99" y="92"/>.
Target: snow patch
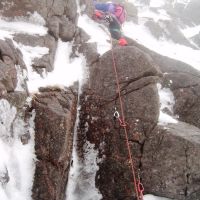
<point x="161" y="15"/>
<point x="21" y="78"/>
<point x="157" y="3"/>
<point x="167" y="98"/>
<point x="164" y="119"/>
<point x="81" y="182"/>
<point x="191" y="31"/>
<point x="166" y="102"/>
<point x="13" y="27"/>
<point x="184" y="2"/>
<point x="29" y="54"/>
<point x="66" y="70"/>
<point x="6" y="119"/>
<point x="34" y="25"/>
<point x="98" y="33"/>
<point x="152" y="197"/>
<point x="5" y="34"/>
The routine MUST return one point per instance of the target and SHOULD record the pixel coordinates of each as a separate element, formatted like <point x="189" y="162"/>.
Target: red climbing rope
<point x="137" y="184"/>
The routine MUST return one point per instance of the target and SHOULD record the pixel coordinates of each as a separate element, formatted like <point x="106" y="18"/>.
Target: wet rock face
<point x="14" y="8"/>
<point x="61" y="27"/>
<point x="87" y="7"/>
<point x="169" y="163"/>
<point x="192" y="10"/>
<point x="184" y="82"/>
<point x="166" y="170"/>
<point x="46" y="62"/>
<point x="188" y="105"/>
<point x="60" y="15"/>
<point x="186" y="90"/>
<point x="55" y="109"/>
<point x="196" y="39"/>
<point x="98" y="127"/>
<point x="138" y="76"/>
<point x="9" y="58"/>
<point x="54" y="123"/>
<point x="170" y="31"/>
<point x="88" y="49"/>
<point x="45" y="8"/>
<point x="8" y="78"/>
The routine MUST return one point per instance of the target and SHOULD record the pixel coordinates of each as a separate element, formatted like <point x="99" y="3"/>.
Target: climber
<point x="116" y="9"/>
<point x="107" y="12"/>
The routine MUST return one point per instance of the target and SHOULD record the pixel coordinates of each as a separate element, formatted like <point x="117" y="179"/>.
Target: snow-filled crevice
<point x="166" y="106"/>
<point x="187" y="174"/>
<point x="21" y="79"/>
<point x="81" y="181"/>
<point x="17" y="159"/>
<point x="152" y="197"/>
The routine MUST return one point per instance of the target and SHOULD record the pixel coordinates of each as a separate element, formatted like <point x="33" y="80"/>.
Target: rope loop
<point x="122" y="123"/>
<point x="140" y="187"/>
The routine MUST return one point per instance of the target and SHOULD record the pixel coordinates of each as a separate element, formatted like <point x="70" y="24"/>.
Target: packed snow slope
<point x="170" y="28"/>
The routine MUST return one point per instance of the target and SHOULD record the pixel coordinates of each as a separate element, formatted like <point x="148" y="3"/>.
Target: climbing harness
<point x="139" y="189"/>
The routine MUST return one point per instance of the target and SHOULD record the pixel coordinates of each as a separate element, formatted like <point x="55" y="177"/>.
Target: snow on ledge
<point x="98" y="33"/>
<point x="191" y="31"/>
<point x="13" y="27"/>
<point x="166" y="102"/>
<point x="66" y="70"/>
<point x="152" y="197"/>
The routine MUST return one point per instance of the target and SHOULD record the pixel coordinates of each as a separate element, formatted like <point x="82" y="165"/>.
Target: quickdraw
<point x="122" y="122"/>
<point x="116" y="114"/>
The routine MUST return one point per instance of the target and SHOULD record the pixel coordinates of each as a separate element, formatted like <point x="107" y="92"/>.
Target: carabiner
<point x="116" y="114"/>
